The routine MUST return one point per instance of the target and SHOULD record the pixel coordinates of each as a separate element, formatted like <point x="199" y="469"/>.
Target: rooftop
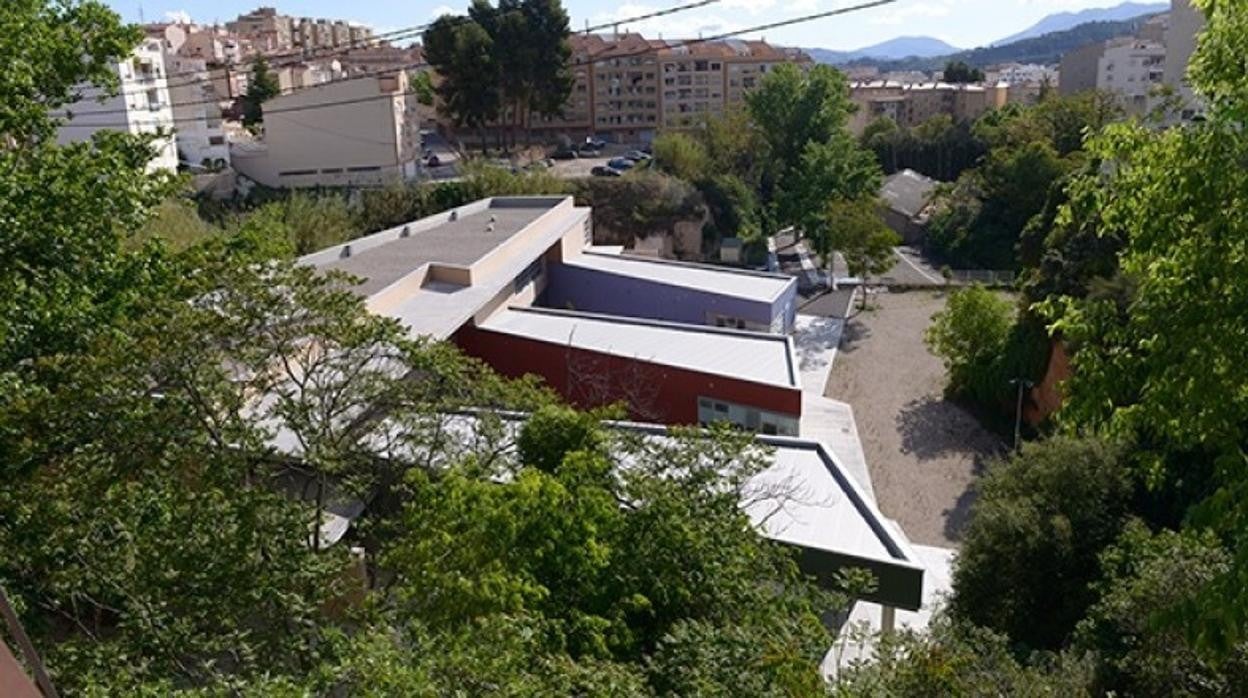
<point x="907" y="192"/>
<point x="461" y="242"/>
<point x="740" y="283"/>
<point x="750" y="356"/>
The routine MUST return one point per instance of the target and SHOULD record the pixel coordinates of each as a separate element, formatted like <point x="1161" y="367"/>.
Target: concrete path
<point x="815" y="340"/>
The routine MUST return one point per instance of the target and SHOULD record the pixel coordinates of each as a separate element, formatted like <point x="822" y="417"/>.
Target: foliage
<point x="969" y="335"/>
<point x="176" y="223"/>
<point x="960" y="72"/>
<point x="957" y="659"/>
<point x="422" y="85"/>
<point x="680" y="155"/>
<point x="939" y="147"/>
<point x="261" y="87"/>
<point x="1147" y="576"/>
<point x="855" y="229"/>
<point x="733" y="207"/>
<point x="1028" y="561"/>
<point x="501" y="63"/>
<point x="642" y="204"/>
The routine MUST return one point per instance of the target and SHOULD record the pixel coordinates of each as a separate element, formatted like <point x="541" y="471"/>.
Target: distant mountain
<point x="1045" y="50"/>
<point x="1069" y="20"/>
<point x="893" y="49"/>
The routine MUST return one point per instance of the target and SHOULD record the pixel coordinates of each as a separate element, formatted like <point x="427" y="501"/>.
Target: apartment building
<point x="269" y="31"/>
<point x="142" y="104"/>
<point x="362" y="131"/>
<point x="912" y="104"/>
<point x="1134" y="69"/>
<point x="626" y="87"/>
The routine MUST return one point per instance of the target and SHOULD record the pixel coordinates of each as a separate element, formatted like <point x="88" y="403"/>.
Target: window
<point x="368" y="168"/>
<point x="216" y="140"/>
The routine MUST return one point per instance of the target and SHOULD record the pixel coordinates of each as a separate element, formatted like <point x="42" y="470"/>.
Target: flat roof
<point x="739" y="283"/>
<point x="750" y="356"/>
<point x="460" y="242"/>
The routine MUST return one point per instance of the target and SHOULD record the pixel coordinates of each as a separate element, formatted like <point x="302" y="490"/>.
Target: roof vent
<point x="346" y="251"/>
<point x="455" y="214"/>
<point x="493" y="218"/>
<point x="489" y="228"/>
<point x="406" y="232"/>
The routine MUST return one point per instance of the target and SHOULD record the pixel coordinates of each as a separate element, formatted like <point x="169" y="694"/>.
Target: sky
<point x="963" y="23"/>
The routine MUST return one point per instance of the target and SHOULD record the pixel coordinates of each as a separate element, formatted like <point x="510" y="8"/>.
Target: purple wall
<point x="612" y="294"/>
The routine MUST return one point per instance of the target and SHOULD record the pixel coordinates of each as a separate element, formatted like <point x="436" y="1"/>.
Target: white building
<point x="141" y="105"/>
<point x="1133" y="69"/>
<point x="197" y="106"/>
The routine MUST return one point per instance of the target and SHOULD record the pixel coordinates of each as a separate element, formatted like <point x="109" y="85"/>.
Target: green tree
<point x="261" y="87"/>
<point x="960" y="72"/>
<point x="969" y="335"/>
<point x="1029" y="557"/>
<point x="681" y="155"/>
<point x="1147" y="576"/>
<point x="422" y="85"/>
<point x="462" y="53"/>
<point x="856" y="231"/>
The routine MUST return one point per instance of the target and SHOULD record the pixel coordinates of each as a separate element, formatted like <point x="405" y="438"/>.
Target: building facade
<point x="1186" y="22"/>
<point x="1133" y="69"/>
<point x="362" y="131"/>
<point x="269" y="31"/>
<point x="912" y="104"/>
<point x="142" y="105"/>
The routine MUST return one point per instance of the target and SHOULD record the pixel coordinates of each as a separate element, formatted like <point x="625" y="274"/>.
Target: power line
<point x="640" y="52"/>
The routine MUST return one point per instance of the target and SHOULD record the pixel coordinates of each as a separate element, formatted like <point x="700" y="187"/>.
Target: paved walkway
<point x="815" y="340"/>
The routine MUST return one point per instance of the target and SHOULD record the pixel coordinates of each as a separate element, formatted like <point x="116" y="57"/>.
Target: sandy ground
<point x="924" y="452"/>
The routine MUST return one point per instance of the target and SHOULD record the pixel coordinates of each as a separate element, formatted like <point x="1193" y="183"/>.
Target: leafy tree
<point x="680" y="155"/>
<point x="855" y="229"/>
<point x="953" y="658"/>
<point x="262" y="87"/>
<point x="1147" y="576"/>
<point x="1029" y="558"/>
<point x="969" y="334"/>
<point x="422" y="85"/>
<point x="462" y="53"/>
<point x="733" y="207"/>
<point x="960" y="72"/>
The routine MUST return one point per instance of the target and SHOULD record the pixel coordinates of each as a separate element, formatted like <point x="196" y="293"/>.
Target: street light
<point x="1023" y="384"/>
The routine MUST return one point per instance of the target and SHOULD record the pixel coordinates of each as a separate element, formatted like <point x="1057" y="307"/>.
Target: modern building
<point x="141" y="105"/>
<point x="361" y="131"/>
<point x="516" y="282"/>
<point x="1079" y="69"/>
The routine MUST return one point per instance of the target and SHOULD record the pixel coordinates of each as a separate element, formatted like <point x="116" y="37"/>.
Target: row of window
<point x="329" y="170"/>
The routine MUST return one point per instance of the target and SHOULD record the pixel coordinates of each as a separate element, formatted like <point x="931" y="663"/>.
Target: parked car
<point x="564" y="154"/>
<point x="589" y="148"/>
<point x="596" y="142"/>
<point x="636" y="155"/>
<point x="432" y="161"/>
<point x="620" y="163"/>
<point x="604" y="171"/>
<point x="647" y="149"/>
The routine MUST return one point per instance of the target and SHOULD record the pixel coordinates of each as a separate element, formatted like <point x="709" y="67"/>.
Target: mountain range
<point x="923" y="49"/>
<point x="1069" y="20"/>
<point x="893" y="49"/>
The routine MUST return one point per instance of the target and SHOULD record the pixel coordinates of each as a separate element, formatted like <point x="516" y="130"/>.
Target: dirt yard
<point x="924" y="452"/>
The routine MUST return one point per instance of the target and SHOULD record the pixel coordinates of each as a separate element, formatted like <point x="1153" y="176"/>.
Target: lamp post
<point x="1023" y="384"/>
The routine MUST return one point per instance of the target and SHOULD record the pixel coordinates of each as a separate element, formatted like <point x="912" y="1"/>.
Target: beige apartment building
<point x="1185" y="23"/>
<point x="268" y="31"/>
<point x="912" y="104"/>
<point x="355" y="132"/>
<point x="627" y="87"/>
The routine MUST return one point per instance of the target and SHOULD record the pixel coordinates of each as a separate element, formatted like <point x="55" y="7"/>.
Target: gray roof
<point x="461" y="242"/>
<point x="907" y="192"/>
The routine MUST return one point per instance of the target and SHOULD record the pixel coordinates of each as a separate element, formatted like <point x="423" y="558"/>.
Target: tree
<point x="262" y="87"/>
<point x="959" y="72"/>
<point x="422" y="85"/>
<point x="680" y="155"/>
<point x="969" y="334"/>
<point x="1147" y="576"/>
<point x="462" y="53"/>
<point x="856" y="230"/>
<point x="1029" y="557"/>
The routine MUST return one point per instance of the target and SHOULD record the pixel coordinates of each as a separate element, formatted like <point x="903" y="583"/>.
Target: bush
<point x="1029" y="559"/>
<point x="680" y="155"/>
<point x="733" y="207"/>
<point x="641" y="204"/>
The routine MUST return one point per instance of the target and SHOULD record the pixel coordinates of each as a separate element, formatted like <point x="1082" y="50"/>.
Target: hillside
<point x="893" y="49"/>
<point x="1047" y="49"/>
<point x="1063" y="21"/>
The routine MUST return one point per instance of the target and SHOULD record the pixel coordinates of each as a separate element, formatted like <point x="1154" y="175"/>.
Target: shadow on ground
<point x="931" y="427"/>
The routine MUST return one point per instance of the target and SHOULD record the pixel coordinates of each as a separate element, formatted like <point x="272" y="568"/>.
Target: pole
<point x="1018" y="411"/>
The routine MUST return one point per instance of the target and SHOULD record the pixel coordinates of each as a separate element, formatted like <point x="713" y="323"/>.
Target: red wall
<point x="655" y="393"/>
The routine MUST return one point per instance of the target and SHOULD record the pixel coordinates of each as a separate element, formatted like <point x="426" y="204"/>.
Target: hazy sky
<point x="963" y="23"/>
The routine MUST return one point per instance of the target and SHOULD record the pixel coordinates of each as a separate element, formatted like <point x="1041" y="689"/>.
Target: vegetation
<point x="502" y="65"/>
<point x="261" y="87"/>
<point x="960" y="72"/>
